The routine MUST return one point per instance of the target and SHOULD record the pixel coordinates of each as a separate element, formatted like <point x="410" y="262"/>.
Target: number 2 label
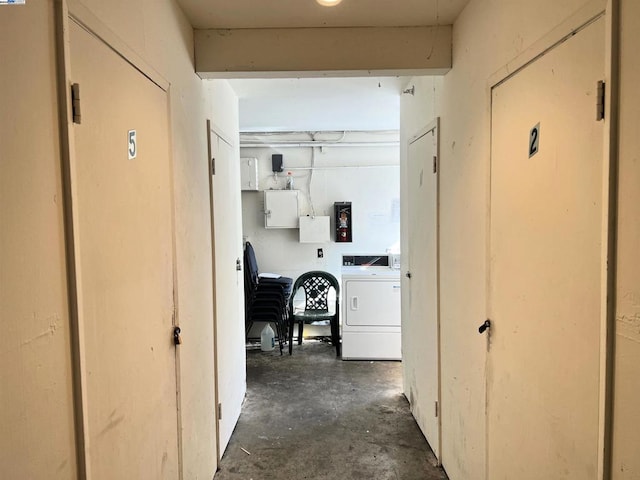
<point x="534" y="140"/>
<point x="133" y="144"/>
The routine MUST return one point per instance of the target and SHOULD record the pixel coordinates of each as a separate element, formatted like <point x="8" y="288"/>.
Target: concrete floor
<point x="313" y="416"/>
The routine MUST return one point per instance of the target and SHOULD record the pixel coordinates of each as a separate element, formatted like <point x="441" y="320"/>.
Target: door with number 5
<point x="124" y="253"/>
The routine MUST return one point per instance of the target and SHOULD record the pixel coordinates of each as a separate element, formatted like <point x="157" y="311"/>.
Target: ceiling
<point x="307" y="13"/>
<point x="317" y="104"/>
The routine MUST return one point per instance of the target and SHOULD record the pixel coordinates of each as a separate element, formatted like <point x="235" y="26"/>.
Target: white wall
<point x="365" y="103"/>
<point x="486" y="36"/>
<point x="374" y="193"/>
<point x="626" y="434"/>
<point x="36" y="403"/>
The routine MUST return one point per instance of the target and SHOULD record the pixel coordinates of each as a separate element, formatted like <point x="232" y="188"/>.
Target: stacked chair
<point x="266" y="297"/>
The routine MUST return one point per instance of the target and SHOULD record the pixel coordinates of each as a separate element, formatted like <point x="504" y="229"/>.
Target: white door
<point x="124" y="239"/>
<point x="228" y="284"/>
<point x="545" y="266"/>
<point x="420" y="328"/>
<point x="372" y="302"/>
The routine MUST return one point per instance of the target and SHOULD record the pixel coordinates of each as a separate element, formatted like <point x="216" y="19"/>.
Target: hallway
<point x="312" y="416"/>
<point x="122" y="156"/>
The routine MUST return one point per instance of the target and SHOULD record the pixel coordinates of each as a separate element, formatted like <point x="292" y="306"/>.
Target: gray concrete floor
<point x="313" y="416"/>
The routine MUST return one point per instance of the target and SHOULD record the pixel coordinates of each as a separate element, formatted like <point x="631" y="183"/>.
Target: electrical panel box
<point x="281" y="209"/>
<point x="249" y="174"/>
<point x="315" y="229"/>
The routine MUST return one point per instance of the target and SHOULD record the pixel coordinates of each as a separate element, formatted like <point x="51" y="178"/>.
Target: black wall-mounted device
<point x="277" y="163"/>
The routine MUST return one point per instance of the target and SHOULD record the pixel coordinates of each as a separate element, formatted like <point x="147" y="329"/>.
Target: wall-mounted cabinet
<point x="281" y="209"/>
<point x="344" y="232"/>
<point x="315" y="229"/>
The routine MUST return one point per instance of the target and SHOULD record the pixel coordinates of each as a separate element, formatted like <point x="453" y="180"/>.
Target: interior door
<point x="420" y="329"/>
<point x="125" y="252"/>
<point x="545" y="266"/>
<point x="226" y="210"/>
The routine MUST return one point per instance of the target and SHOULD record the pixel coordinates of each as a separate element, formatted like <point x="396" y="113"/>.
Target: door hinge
<point x="437" y="412"/>
<point x="75" y="103"/>
<point x="213" y="165"/>
<point x="435" y="164"/>
<point x="600" y="101"/>
<point x="219" y="411"/>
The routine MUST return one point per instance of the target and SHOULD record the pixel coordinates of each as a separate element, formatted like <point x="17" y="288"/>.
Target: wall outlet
<point x="320" y="253"/>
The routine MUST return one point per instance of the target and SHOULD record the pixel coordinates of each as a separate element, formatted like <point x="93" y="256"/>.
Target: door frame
<point x="210" y="161"/>
<point x="581" y="19"/>
<point x="214" y="131"/>
<point x="434" y="126"/>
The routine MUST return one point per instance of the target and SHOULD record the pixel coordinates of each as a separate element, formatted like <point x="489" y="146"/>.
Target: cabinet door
<point x="281" y="209"/>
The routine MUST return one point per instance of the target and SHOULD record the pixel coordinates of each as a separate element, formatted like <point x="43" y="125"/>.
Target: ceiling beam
<point x="317" y="52"/>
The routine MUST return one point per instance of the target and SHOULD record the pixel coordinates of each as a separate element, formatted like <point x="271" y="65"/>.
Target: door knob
<point x="484" y="326"/>
<point x="177" y="339"/>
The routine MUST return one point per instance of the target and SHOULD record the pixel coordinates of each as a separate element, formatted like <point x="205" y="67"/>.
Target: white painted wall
<point x="365" y="103"/>
<point x="486" y="36"/>
<point x="36" y="406"/>
<point x="626" y="434"/>
<point x="374" y="193"/>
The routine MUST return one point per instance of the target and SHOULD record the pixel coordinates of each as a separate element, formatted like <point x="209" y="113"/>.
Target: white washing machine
<point x="371" y="308"/>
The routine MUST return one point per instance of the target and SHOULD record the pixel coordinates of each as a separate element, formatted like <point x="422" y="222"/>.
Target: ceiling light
<point x="328" y="3"/>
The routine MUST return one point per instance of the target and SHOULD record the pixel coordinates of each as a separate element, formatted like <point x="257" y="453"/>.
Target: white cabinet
<point x="281" y="209"/>
<point x="315" y="229"/>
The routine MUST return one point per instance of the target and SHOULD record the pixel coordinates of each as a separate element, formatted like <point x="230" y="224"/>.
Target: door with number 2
<point x="545" y="266"/>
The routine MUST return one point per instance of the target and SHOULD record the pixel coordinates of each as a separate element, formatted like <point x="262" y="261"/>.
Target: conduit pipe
<point x="319" y="143"/>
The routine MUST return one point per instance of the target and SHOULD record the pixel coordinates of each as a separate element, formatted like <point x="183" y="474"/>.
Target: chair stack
<point x="266" y="297"/>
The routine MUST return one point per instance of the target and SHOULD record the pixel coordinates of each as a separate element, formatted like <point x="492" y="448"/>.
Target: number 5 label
<point x="133" y="144"/>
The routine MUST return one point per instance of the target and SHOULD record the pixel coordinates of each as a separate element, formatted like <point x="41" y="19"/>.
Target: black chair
<point x="266" y="297"/>
<point x="316" y="286"/>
